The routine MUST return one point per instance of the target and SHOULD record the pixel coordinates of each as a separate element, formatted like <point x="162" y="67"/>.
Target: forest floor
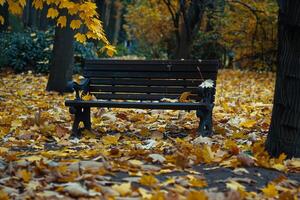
<point x="141" y="154"/>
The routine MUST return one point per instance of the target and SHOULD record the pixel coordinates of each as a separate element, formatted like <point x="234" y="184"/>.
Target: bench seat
<point x="140" y="105"/>
<point x="143" y="84"/>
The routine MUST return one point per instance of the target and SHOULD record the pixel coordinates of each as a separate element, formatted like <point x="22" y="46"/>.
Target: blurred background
<point x="241" y="33"/>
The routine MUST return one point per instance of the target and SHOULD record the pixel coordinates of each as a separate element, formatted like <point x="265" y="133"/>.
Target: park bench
<point x="144" y="84"/>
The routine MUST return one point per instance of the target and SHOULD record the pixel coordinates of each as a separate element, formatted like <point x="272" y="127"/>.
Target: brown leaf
<point x="245" y="160"/>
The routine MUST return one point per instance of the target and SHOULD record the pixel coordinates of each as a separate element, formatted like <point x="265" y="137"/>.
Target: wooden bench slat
<point x="145" y="67"/>
<point x="165" y="75"/>
<point x="138" y="96"/>
<point x="151" y="62"/>
<point x="145" y="82"/>
<point x="140" y="105"/>
<point x="166" y="90"/>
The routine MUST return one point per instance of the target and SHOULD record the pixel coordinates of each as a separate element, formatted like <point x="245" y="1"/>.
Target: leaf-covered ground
<point x="141" y="154"/>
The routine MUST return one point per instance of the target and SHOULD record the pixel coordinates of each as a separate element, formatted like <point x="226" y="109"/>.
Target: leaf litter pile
<point x="141" y="154"/>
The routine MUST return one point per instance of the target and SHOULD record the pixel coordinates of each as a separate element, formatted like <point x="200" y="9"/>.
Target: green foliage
<point x="32" y="50"/>
<point x="81" y="52"/>
<point x="206" y="46"/>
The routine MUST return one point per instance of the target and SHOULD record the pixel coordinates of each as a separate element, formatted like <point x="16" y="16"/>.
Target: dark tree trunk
<point x="184" y="46"/>
<point x="118" y="19"/>
<point x="187" y="20"/>
<point x="4" y="14"/>
<point x="284" y="133"/>
<point x="43" y="21"/>
<point x="62" y="60"/>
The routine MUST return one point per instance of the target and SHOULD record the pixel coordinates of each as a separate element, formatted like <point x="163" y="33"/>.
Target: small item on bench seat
<point x="207" y="84"/>
<point x="144" y="84"/>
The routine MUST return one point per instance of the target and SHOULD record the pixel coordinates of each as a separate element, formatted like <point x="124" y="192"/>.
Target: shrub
<point x="32" y="50"/>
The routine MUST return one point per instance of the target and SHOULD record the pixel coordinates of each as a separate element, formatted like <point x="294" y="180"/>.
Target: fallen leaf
<point x="245" y="160"/>
<point x="157" y="158"/>
<point x="148" y="180"/>
<point x="184" y="97"/>
<point x="270" y="190"/>
<point x="123" y="189"/>
<point x="197" y="195"/>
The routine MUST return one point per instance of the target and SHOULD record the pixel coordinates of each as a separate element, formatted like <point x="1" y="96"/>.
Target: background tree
<point x="79" y="19"/>
<point x="168" y="19"/>
<point x="284" y="133"/>
<point x="4" y="15"/>
<point x="111" y="14"/>
<point x="248" y="31"/>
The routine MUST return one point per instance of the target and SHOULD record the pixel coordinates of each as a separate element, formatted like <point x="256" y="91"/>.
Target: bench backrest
<point x="147" y="80"/>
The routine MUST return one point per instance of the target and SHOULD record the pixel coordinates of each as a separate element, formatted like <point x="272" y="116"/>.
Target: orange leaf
<point x="184" y="97"/>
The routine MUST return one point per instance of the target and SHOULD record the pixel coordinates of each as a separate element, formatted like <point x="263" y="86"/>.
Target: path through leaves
<point x="141" y="154"/>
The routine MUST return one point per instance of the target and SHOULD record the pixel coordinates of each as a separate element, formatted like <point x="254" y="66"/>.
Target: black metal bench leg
<point x="205" y="125"/>
<point x="86" y="118"/>
<point x="75" y="127"/>
<point x="81" y="115"/>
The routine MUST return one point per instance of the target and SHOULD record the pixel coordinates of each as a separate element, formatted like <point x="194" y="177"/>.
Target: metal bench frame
<point x="146" y="82"/>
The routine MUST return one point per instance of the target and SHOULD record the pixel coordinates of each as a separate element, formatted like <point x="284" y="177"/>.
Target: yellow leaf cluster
<point x="148" y="180"/>
<point x="270" y="190"/>
<point x="84" y="12"/>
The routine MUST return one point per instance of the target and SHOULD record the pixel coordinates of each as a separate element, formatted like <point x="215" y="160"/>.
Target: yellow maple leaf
<point x="25" y="175"/>
<point x="4" y="195"/>
<point x="197" y="195"/>
<point x="80" y="37"/>
<point x="281" y="158"/>
<point x="75" y="24"/>
<point x="62" y="21"/>
<point x="123" y="189"/>
<point x="37" y="4"/>
<point x="270" y="191"/>
<point x="16" y="123"/>
<point x="14" y="8"/>
<point x="1" y="20"/>
<point x="2" y="2"/>
<point x="198" y="182"/>
<point x="90" y="34"/>
<point x="148" y="180"/>
<point x="87" y="97"/>
<point x="207" y="154"/>
<point x="232" y="147"/>
<point x="110" y="139"/>
<point x="110" y="50"/>
<point x="184" y="97"/>
<point x="248" y="123"/>
<point x="52" y="13"/>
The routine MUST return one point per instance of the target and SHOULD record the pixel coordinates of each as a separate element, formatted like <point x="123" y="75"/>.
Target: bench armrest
<point x="77" y="87"/>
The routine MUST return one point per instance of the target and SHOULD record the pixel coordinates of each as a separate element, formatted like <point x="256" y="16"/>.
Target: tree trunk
<point x="284" y="133"/>
<point x="5" y="15"/>
<point x="118" y="17"/>
<point x="43" y="21"/>
<point x="62" y="60"/>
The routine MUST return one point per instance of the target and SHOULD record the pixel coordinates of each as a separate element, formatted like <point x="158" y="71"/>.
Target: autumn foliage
<point x="79" y="14"/>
